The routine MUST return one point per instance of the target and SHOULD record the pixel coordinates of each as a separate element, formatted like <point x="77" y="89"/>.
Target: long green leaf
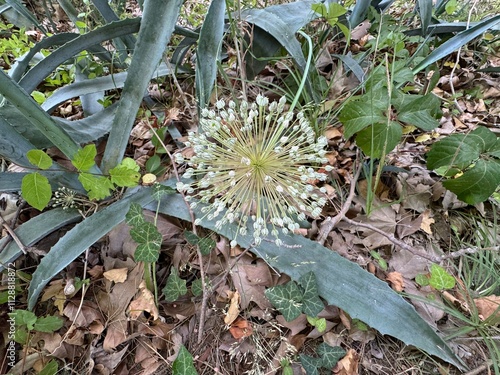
<point x="425" y="11"/>
<point x="207" y="53"/>
<point x="340" y="282"/>
<point x="78" y="239"/>
<point x="34" y="114"/>
<point x="157" y="25"/>
<point x="34" y="230"/>
<point x="456" y="42"/>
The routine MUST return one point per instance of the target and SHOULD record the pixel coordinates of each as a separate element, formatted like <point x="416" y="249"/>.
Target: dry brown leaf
<point x="396" y="280"/>
<point x="118" y="275"/>
<point x="145" y="301"/>
<point x="295" y="326"/>
<point x="83" y="316"/>
<point x="407" y="226"/>
<point x="248" y="279"/>
<point x="241" y="328"/>
<point x="426" y="222"/>
<point x="348" y="365"/>
<point x="488" y="306"/>
<point x="234" y="307"/>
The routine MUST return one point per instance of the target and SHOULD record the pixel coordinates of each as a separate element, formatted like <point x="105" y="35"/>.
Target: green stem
<point x="306" y="70"/>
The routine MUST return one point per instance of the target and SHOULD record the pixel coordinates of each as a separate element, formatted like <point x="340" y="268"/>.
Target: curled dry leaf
<point x="241" y="328"/>
<point x="144" y="301"/>
<point x="118" y="275"/>
<point x="488" y="307"/>
<point x="234" y="307"/>
<point x="396" y="281"/>
<point x="426" y="222"/>
<point x="348" y="365"/>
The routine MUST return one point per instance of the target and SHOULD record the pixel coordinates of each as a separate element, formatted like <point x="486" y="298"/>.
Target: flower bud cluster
<point x="254" y="165"/>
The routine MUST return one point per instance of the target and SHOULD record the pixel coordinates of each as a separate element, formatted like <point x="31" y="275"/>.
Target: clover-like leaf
<point x="440" y="279"/>
<point x="98" y="187"/>
<point x="125" y="174"/>
<point x="39" y="159"/>
<point x="48" y="324"/>
<point x="149" y="240"/>
<point x="84" y="159"/>
<point x="312" y="304"/>
<point x="287" y="299"/>
<point x="134" y="216"/>
<point x="36" y="190"/>
<point x="330" y="355"/>
<point x="183" y="364"/>
<point x="175" y="286"/>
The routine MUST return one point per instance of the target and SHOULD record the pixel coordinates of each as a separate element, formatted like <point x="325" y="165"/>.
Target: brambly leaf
<point x="48" y="324"/>
<point x="39" y="159"/>
<point x="357" y="292"/>
<point x="125" y="174"/>
<point x="24" y="317"/>
<point x="175" y="286"/>
<point x="84" y="159"/>
<point x="440" y="279"/>
<point x="36" y="190"/>
<point x="97" y="187"/>
<point x="311" y="303"/>
<point x="149" y="242"/>
<point x="183" y="364"/>
<point x="287" y="299"/>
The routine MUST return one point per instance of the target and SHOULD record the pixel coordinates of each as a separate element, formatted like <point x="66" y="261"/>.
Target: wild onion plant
<point x="257" y="162"/>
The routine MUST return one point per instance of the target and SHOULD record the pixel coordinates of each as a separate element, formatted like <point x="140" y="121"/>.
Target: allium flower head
<point x="256" y="164"/>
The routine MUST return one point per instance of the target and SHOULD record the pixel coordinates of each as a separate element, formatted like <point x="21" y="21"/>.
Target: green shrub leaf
<point x="84" y="159"/>
<point x="39" y="159"/>
<point x="98" y="187"/>
<point x="36" y="190"/>
<point x="440" y="279"/>
<point x="357" y="114"/>
<point x="50" y="368"/>
<point x="312" y="304"/>
<point x="380" y="138"/>
<point x="48" y="324"/>
<point x="149" y="240"/>
<point x="125" y="174"/>
<point x="420" y="111"/>
<point x="24" y="318"/>
<point x="175" y="286"/>
<point x="183" y="364"/>
<point x="287" y="299"/>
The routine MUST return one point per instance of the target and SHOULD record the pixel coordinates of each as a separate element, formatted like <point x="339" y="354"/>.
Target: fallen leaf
<point x="241" y="328"/>
<point x="145" y="301"/>
<point x="234" y="307"/>
<point x="348" y="365"/>
<point x="118" y="275"/>
<point x="488" y="306"/>
<point x="396" y="280"/>
<point x="426" y="222"/>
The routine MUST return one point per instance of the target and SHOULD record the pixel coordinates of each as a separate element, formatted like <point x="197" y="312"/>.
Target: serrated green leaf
<point x="125" y="174"/>
<point x="98" y="187"/>
<point x="36" y="190"/>
<point x="39" y="159"/>
<point x="24" y="318"/>
<point x="440" y="279"/>
<point x="287" y="299"/>
<point x="311" y="303"/>
<point x="358" y="114"/>
<point x="183" y="364"/>
<point x="134" y="216"/>
<point x="420" y="111"/>
<point x="175" y="286"/>
<point x="330" y="355"/>
<point x="149" y="240"/>
<point x="84" y="159"/>
<point x="197" y="288"/>
<point x="50" y="368"/>
<point x="48" y="324"/>
<point x="478" y="183"/>
<point x="310" y="364"/>
<point x="379" y="139"/>
<point x="160" y="190"/>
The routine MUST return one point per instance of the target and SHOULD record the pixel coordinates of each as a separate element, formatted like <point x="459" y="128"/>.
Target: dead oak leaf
<point x="426" y="222"/>
<point x="118" y="275"/>
<point x="144" y="301"/>
<point x="396" y="281"/>
<point x="347" y="365"/>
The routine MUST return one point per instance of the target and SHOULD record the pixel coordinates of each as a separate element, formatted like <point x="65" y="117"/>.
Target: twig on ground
<point x="480" y="369"/>
<point x="331" y="222"/>
<point x="13" y="235"/>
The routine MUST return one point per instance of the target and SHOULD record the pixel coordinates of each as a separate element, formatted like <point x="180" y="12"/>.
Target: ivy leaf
<point x="379" y="139"/>
<point x="310" y="364"/>
<point x="197" y="287"/>
<point x="183" y="364"/>
<point x="175" y="286"/>
<point x="287" y="299"/>
<point x="48" y="324"/>
<point x="160" y="190"/>
<point x="312" y="304"/>
<point x="125" y="174"/>
<point x="36" y="190"/>
<point x="330" y="355"/>
<point x="149" y="240"/>
<point x="84" y="159"/>
<point x="98" y="187"/>
<point x="134" y="216"/>
<point x="440" y="279"/>
<point x="478" y="183"/>
<point x="39" y="159"/>
<point x="206" y="244"/>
